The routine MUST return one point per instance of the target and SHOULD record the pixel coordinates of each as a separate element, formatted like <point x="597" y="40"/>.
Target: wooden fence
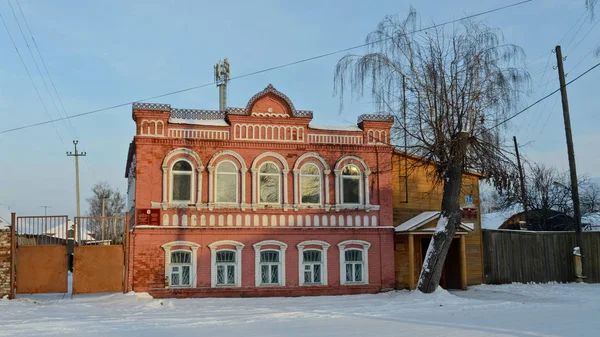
<point x="520" y="256"/>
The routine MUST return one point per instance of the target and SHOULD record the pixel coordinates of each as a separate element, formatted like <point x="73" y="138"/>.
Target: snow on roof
<point x="206" y="122"/>
<point x="593" y="220"/>
<point x="424" y="218"/>
<point x="335" y="127"/>
<point x="493" y="220"/>
<point x="417" y="221"/>
<point x="4" y="216"/>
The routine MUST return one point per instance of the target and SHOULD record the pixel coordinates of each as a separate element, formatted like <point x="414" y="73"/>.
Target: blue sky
<point x="110" y="52"/>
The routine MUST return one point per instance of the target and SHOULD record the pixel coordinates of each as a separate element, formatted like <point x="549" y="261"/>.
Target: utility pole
<point x="104" y="197"/>
<point x="571" y="153"/>
<point x="46" y="209"/>
<point x="522" y="179"/>
<point x="76" y="155"/>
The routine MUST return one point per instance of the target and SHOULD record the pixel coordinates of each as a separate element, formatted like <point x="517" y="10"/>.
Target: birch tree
<point x="448" y="87"/>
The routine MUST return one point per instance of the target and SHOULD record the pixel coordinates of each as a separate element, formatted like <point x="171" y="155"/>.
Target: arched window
<point x="181" y="269"/>
<point x="310" y="184"/>
<point x="227" y="183"/>
<point x="226" y="267"/>
<point x="351" y="186"/>
<point x="354" y="262"/>
<point x="269" y="183"/>
<point x="181" y="181"/>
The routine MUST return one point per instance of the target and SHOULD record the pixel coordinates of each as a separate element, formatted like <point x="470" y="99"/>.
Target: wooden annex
<point x="416" y="203"/>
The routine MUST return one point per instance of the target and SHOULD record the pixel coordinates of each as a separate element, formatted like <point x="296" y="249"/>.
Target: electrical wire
<point x="32" y="82"/>
<point x="266" y="69"/>
<point x="543" y="98"/>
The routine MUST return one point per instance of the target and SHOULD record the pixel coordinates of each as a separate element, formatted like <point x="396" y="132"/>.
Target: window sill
<point x="354" y="284"/>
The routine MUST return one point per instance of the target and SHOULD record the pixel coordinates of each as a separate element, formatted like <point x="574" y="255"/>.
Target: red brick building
<point x="256" y="201"/>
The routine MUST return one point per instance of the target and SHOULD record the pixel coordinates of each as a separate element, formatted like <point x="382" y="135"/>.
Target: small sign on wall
<point x="148" y="217"/>
<point x="468" y="200"/>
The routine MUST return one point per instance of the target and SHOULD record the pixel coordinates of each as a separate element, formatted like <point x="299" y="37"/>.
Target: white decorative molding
<point x="377" y="137"/>
<point x="199" y="134"/>
<point x="152" y="128"/>
<point x="282" y="249"/>
<point x="335" y="139"/>
<point x="365" y="255"/>
<point x="269" y="133"/>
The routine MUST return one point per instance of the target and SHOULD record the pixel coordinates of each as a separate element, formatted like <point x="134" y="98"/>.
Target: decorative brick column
<point x="4" y="261"/>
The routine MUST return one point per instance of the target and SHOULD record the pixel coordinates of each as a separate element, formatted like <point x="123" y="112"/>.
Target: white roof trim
<point x="420" y="220"/>
<point x="207" y="122"/>
<point x="335" y="127"/>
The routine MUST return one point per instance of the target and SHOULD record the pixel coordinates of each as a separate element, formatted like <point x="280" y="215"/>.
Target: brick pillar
<point x="5" y="264"/>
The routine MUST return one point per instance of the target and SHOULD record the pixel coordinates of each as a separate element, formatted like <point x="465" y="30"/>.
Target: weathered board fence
<point x="521" y="256"/>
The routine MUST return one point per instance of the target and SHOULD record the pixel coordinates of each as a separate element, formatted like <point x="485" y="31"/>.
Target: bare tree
<point x="114" y="205"/>
<point x="460" y="83"/>
<point x="549" y="198"/>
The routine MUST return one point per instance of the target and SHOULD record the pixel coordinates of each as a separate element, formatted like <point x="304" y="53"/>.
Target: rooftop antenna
<point x="221" y="80"/>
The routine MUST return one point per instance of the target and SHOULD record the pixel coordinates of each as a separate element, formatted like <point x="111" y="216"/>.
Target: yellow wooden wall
<point x="425" y="195"/>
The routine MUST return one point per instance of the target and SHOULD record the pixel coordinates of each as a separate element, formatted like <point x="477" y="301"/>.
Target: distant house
<point x="549" y="220"/>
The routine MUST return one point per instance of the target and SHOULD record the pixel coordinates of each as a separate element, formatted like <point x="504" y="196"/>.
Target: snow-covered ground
<point x="506" y="310"/>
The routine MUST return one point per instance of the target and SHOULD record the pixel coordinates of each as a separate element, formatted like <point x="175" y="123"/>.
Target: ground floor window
<point x="226" y="268"/>
<point x="226" y="263"/>
<point x="312" y="257"/>
<point x="354" y="262"/>
<point x="269" y="267"/>
<point x="180" y="264"/>
<point x="313" y="266"/>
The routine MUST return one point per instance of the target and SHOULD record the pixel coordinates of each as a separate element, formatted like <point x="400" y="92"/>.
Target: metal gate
<point x="99" y="254"/>
<point x="42" y="254"/>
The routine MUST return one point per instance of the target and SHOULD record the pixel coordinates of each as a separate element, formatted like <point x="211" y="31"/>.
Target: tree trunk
<point x="449" y="218"/>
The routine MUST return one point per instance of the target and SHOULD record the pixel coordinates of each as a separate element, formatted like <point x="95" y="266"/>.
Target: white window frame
<point x="238" y="262"/>
<point x="280" y="178"/>
<point x="237" y="183"/>
<point x="301" y="248"/>
<point x="193" y="249"/>
<point x="192" y="181"/>
<point x="180" y="265"/>
<point x="320" y="176"/>
<point x="365" y="260"/>
<point x="257" y="270"/>
<point x="360" y="185"/>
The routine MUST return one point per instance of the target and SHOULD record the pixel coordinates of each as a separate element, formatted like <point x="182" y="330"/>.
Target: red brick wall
<point x="4" y="261"/>
<point x="148" y="258"/>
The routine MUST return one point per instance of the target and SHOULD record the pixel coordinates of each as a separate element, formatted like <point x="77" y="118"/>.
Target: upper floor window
<point x="310" y="184"/>
<point x="227" y="183"/>
<point x="269" y="177"/>
<point x="351" y="187"/>
<point x="181" y="181"/>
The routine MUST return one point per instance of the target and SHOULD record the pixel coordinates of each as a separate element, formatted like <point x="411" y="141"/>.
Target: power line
<point x="543" y="98"/>
<point x="74" y="132"/>
<point x="267" y="69"/>
<point x="31" y="79"/>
